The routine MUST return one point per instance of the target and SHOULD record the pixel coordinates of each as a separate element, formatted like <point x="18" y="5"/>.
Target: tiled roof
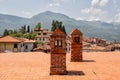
<point x="76" y="31"/>
<point x="36" y="66"/>
<point x="10" y="39"/>
<point x="58" y="31"/>
<point x="28" y="41"/>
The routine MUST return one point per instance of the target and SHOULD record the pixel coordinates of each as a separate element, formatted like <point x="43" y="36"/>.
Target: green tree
<point x="19" y="34"/>
<point x="10" y="32"/>
<point x="28" y="29"/>
<point x="38" y="25"/>
<point x="58" y="24"/>
<point x="63" y="29"/>
<point x="28" y="36"/>
<point x="5" y="32"/>
<point x="22" y="30"/>
<point x="15" y="31"/>
<point x="53" y="25"/>
<point x="33" y="36"/>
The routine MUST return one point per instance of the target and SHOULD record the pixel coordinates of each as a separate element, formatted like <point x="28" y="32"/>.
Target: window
<point x="39" y="33"/>
<point x="76" y="39"/>
<point x="58" y="43"/>
<point x="55" y="43"/>
<point x="44" y="33"/>
<point x="43" y="39"/>
<point x="26" y="47"/>
<point x="40" y="39"/>
<point x="15" y="45"/>
<point x="23" y="44"/>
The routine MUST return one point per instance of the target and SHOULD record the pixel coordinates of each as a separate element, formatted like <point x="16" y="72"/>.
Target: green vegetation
<point x="38" y="25"/>
<point x="23" y="32"/>
<point x="6" y="32"/>
<point x="58" y="24"/>
<point x="28" y="29"/>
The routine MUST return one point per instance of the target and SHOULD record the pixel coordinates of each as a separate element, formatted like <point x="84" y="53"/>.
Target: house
<point x="43" y="35"/>
<point x="28" y="45"/>
<point x="11" y="44"/>
<point x="98" y="41"/>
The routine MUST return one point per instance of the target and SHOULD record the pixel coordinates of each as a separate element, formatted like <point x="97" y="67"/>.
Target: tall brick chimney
<point x="76" y="46"/>
<point x="58" y="53"/>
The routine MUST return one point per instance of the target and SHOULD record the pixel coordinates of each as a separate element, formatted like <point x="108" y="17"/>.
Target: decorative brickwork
<point x="58" y="53"/>
<point x="76" y="46"/>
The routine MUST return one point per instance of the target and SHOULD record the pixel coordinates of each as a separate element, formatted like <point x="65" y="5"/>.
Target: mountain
<point x="109" y="31"/>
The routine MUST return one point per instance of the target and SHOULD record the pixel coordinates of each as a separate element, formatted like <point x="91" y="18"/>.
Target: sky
<point x="90" y="10"/>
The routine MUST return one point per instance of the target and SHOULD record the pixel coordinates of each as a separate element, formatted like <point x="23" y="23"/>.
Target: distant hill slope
<point x="99" y="29"/>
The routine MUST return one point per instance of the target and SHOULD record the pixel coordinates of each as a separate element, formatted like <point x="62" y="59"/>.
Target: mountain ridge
<point x="99" y="29"/>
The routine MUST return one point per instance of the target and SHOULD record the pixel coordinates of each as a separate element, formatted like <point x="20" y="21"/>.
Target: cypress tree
<point x="5" y="32"/>
<point x="28" y="29"/>
<point x="63" y="29"/>
<point x="38" y="25"/>
<point x="24" y="28"/>
<point x="53" y="26"/>
<point x="58" y="24"/>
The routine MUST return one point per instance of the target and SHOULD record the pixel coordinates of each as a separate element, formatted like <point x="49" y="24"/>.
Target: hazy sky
<point x="104" y="10"/>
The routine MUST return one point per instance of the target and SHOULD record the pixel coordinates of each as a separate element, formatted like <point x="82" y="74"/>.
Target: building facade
<point x="43" y="35"/>
<point x="10" y="44"/>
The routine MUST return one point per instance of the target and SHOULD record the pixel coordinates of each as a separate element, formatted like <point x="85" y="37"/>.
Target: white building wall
<point x="29" y="46"/>
<point x="22" y="47"/>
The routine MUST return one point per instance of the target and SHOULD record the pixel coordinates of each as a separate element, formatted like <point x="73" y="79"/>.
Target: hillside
<point x="109" y="31"/>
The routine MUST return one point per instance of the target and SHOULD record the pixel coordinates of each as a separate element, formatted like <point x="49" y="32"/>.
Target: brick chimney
<point x="76" y="46"/>
<point x="58" y="53"/>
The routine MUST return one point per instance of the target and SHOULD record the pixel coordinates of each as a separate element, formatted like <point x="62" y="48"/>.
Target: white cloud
<point x="99" y="3"/>
<point x="27" y="14"/>
<point x="93" y="11"/>
<point x="103" y="2"/>
<point x="93" y="14"/>
<point x="53" y="4"/>
<point x="79" y="18"/>
<point x="117" y="17"/>
<point x="94" y="2"/>
<point x="57" y="3"/>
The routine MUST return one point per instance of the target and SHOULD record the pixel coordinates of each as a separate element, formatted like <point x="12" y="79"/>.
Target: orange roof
<point x="10" y="39"/>
<point x="29" y="41"/>
<point x="58" y="31"/>
<point x="36" y="66"/>
<point x="76" y="32"/>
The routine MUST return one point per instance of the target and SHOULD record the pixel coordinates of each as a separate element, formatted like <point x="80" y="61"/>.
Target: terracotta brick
<point x="36" y="66"/>
<point x="58" y="53"/>
<point x="76" y="46"/>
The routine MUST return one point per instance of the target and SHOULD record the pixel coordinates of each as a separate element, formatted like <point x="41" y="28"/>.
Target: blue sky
<point x="104" y="10"/>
